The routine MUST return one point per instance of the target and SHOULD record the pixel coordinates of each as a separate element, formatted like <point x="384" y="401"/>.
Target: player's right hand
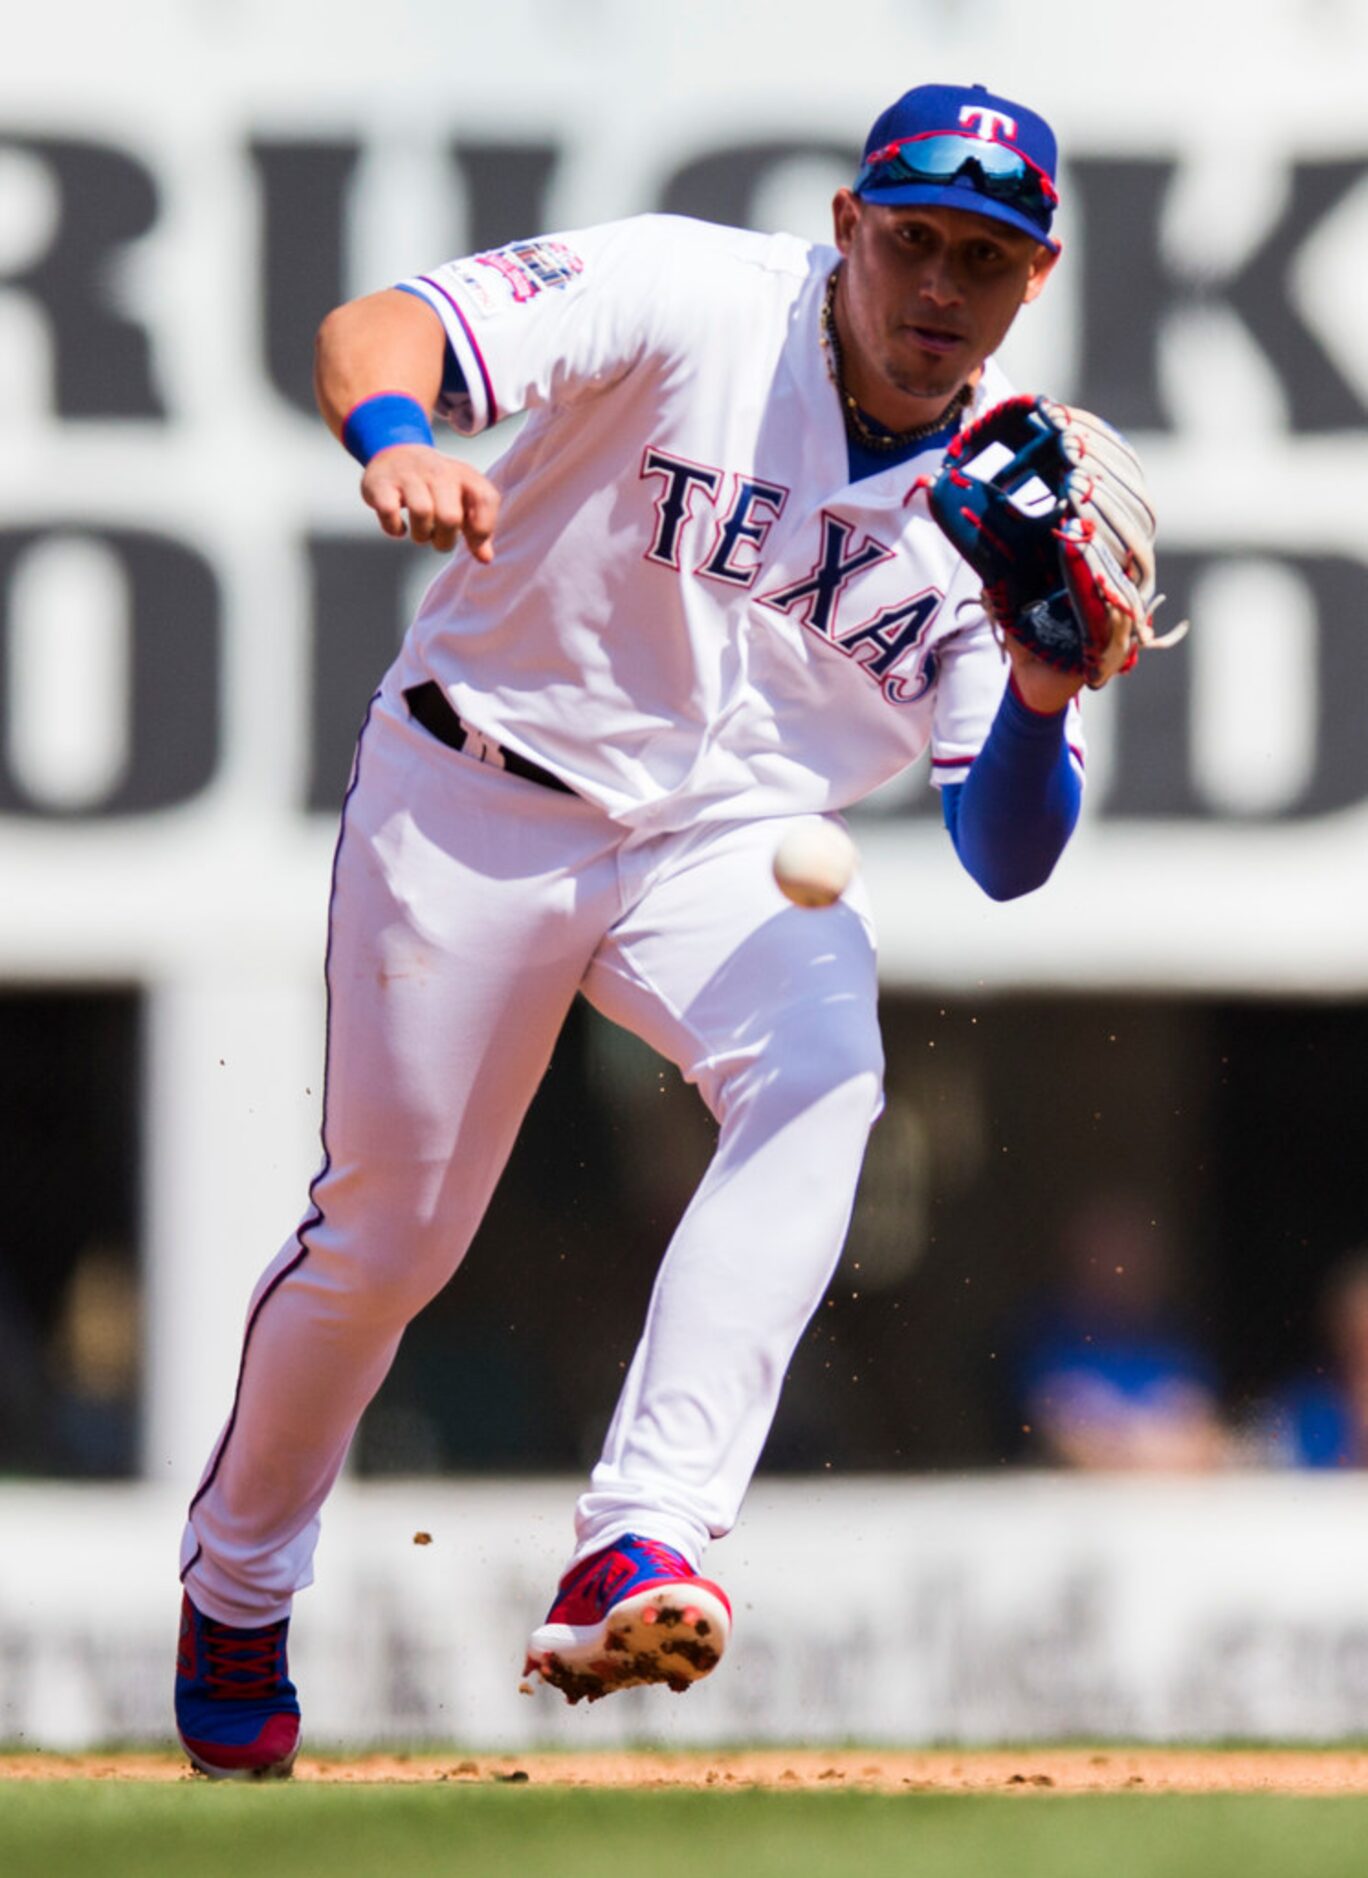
<point x="418" y="491"/>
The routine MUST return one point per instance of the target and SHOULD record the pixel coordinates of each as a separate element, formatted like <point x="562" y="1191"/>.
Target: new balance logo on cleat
<point x="237" y="1713"/>
<point x="636" y="1612"/>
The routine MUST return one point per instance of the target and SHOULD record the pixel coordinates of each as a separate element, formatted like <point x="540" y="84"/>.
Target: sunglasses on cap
<point x="938" y="158"/>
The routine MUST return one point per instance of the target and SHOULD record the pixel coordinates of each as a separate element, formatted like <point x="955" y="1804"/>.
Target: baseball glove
<point x="1060" y="531"/>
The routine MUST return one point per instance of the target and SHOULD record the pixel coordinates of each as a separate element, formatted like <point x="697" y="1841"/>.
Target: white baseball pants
<point x="468" y="908"/>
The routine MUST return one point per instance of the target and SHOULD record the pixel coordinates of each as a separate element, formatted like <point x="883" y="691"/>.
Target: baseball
<point x="814" y="863"/>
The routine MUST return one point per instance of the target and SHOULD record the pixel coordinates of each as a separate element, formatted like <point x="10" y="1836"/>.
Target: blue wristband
<point x="379" y="422"/>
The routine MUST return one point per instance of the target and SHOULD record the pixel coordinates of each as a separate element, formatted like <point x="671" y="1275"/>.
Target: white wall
<point x="971" y="1610"/>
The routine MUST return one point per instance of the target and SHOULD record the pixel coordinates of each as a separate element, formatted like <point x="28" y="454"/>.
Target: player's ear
<point x="1042" y="264"/>
<point x="846" y="210"/>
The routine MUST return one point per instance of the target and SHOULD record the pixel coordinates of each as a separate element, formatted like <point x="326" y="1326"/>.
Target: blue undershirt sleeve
<point x="453" y="378"/>
<point x="1011" y="817"/>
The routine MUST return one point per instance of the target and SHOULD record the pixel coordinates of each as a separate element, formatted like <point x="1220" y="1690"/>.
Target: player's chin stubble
<point x="919" y="378"/>
<point x="915" y="385"/>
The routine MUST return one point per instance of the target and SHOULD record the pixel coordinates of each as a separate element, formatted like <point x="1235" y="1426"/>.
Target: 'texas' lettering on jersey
<point x="888" y="645"/>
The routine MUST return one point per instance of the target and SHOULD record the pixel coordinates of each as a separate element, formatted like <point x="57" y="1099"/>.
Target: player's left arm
<point x="1012" y="816"/>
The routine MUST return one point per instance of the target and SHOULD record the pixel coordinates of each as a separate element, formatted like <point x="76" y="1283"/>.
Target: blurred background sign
<point x="194" y="609"/>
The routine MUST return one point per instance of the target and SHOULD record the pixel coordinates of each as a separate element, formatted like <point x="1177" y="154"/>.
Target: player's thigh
<point x="716" y="970"/>
<point x="466" y="904"/>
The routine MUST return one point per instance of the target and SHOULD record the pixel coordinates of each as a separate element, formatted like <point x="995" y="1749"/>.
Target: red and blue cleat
<point x="634" y="1613"/>
<point x="237" y="1713"/>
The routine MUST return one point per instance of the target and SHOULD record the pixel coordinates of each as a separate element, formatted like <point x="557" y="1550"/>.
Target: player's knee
<point x="381" y="1290"/>
<point x="849" y="1086"/>
<point x="837" y="1047"/>
<point x="388" y="1266"/>
<point x="838" y="1064"/>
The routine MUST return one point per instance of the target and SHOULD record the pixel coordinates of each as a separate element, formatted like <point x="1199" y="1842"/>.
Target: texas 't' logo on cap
<point x="989" y="122"/>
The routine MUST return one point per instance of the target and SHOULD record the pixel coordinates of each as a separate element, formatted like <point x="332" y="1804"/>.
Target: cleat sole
<point x="274" y="1770"/>
<point x="647" y="1639"/>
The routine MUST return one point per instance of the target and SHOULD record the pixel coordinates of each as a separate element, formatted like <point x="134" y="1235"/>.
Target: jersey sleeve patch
<point x="516" y="274"/>
<point x="473" y="297"/>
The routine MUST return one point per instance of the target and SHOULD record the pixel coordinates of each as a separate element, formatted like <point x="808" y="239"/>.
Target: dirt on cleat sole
<point x="659" y="1644"/>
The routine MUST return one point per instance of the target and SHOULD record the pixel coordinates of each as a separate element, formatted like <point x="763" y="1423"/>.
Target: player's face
<point x="926" y="295"/>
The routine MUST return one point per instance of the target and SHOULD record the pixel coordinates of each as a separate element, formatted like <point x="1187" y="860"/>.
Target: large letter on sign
<point x="173" y="607"/>
<point x="101" y="359"/>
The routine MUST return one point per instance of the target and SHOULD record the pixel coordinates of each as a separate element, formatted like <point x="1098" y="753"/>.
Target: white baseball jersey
<point x="693" y="613"/>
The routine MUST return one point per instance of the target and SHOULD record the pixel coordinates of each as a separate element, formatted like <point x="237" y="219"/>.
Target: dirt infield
<point x="1027" y="1770"/>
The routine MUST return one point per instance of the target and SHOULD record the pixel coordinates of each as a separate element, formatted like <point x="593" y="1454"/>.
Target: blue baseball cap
<point x="963" y="147"/>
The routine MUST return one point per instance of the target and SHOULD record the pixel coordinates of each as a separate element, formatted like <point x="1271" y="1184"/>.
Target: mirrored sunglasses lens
<point x="992" y="168"/>
<point x="941" y="158"/>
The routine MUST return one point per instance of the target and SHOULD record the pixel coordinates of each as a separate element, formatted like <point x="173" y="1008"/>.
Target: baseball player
<point x="715" y="585"/>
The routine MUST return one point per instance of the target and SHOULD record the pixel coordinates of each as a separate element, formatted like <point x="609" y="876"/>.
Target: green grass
<point x="192" y="1830"/>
